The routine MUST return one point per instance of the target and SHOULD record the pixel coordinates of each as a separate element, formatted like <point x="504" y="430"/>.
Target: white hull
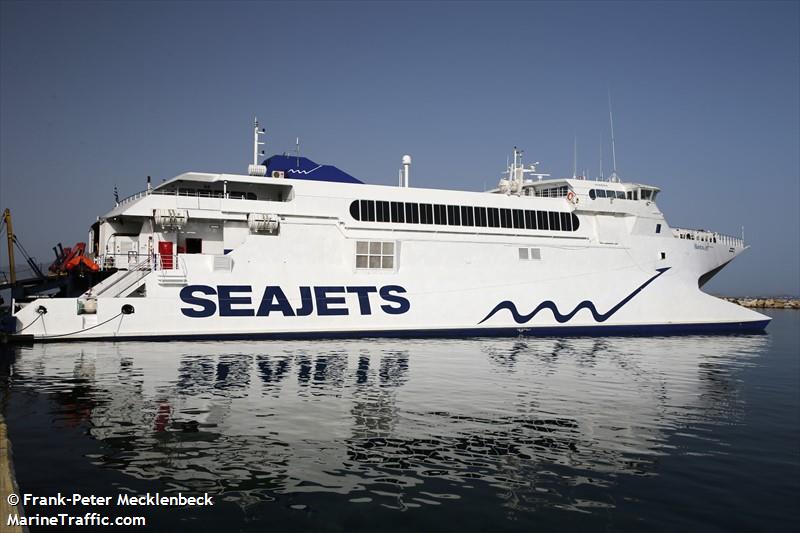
<point x="613" y="275"/>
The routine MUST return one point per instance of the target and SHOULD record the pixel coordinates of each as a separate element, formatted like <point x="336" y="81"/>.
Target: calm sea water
<point x="670" y="433"/>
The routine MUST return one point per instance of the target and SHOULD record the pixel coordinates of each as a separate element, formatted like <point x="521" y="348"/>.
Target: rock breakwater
<point x="765" y="303"/>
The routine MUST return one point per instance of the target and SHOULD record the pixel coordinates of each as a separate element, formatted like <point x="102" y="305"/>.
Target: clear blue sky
<point x="705" y="100"/>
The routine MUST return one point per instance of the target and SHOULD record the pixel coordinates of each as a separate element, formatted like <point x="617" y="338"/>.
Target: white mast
<point x="255" y="169"/>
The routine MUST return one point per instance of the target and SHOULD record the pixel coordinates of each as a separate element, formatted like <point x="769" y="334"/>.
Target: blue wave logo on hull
<point x="561" y="318"/>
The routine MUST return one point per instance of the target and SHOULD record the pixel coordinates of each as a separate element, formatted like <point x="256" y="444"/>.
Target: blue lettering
<point x="281" y="303"/>
<point x="235" y="300"/>
<point x="323" y="301"/>
<point x="403" y="305"/>
<point x="207" y="307"/>
<point x="363" y="298"/>
<point x="306" y="302"/>
<point x="226" y="301"/>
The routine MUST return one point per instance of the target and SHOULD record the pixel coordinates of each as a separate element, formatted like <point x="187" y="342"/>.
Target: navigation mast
<point x="255" y="169"/>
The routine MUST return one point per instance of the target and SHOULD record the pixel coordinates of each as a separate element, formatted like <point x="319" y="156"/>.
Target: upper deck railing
<point x="702" y="235"/>
<point x="192" y="193"/>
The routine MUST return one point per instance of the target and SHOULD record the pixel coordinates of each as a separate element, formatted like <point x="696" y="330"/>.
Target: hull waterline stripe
<point x="639" y="330"/>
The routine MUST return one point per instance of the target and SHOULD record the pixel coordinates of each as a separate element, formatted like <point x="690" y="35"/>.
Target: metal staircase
<point x="175" y="274"/>
<point x="121" y="281"/>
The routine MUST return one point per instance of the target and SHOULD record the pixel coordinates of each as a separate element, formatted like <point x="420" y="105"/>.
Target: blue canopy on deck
<point x="303" y="168"/>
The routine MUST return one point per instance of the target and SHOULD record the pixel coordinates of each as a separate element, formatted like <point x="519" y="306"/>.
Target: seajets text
<point x="236" y="300"/>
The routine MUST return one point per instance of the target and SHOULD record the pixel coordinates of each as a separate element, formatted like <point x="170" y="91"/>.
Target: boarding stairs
<point x="171" y="271"/>
<point x="122" y="281"/>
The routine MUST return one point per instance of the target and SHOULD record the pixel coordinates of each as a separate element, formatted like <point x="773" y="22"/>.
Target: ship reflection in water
<point x="528" y="424"/>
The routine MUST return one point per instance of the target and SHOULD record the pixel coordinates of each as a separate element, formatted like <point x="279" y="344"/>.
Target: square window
<point x="523" y="254"/>
<point x="374" y="248"/>
<point x="362" y="247"/>
<point x="387" y="262"/>
<point x="374" y="261"/>
<point x="388" y="248"/>
<point x="536" y="254"/>
<point x="361" y="261"/>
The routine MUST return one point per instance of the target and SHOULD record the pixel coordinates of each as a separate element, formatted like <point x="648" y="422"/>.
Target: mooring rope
<point x="38" y="316"/>
<point x="81" y="330"/>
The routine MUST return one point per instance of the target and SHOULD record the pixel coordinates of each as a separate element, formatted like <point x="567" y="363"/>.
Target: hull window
<point x="375" y="255"/>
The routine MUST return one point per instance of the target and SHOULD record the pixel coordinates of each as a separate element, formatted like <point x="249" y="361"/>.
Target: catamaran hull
<point x="315" y="270"/>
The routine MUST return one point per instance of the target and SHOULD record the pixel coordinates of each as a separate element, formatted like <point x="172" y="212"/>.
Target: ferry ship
<point x="296" y="249"/>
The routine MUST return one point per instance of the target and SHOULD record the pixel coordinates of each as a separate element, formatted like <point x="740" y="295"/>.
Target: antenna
<point x="297" y="150"/>
<point x="575" y="156"/>
<point x="601" y="158"/>
<point x="613" y="146"/>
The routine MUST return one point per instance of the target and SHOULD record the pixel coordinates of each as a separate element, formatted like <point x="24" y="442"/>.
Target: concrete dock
<point x="8" y="483"/>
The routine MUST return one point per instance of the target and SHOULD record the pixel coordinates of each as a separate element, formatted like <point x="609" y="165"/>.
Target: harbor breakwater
<point x="765" y="303"/>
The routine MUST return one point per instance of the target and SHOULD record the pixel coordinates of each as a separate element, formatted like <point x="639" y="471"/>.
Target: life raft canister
<point x="572" y="197"/>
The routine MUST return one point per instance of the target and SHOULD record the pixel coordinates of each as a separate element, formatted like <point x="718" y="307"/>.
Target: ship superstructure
<point x="296" y="249"/>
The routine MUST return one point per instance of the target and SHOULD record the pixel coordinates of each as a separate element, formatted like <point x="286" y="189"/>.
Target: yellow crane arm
<point x="10" y="237"/>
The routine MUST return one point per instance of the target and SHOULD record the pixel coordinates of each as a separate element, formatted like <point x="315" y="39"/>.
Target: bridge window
<point x="658" y="228"/>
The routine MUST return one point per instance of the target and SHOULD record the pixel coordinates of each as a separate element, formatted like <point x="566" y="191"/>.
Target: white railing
<point x="133" y="275"/>
<point x="192" y="193"/>
<point x="171" y="271"/>
<point x="707" y="236"/>
<point x="165" y="263"/>
<point x="123" y="261"/>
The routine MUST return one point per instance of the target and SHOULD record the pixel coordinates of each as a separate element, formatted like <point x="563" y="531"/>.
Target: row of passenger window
<point x="462" y="215"/>
<point x="647" y="194"/>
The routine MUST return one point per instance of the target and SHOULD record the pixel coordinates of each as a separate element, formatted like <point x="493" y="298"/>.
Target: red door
<point x="165" y="251"/>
